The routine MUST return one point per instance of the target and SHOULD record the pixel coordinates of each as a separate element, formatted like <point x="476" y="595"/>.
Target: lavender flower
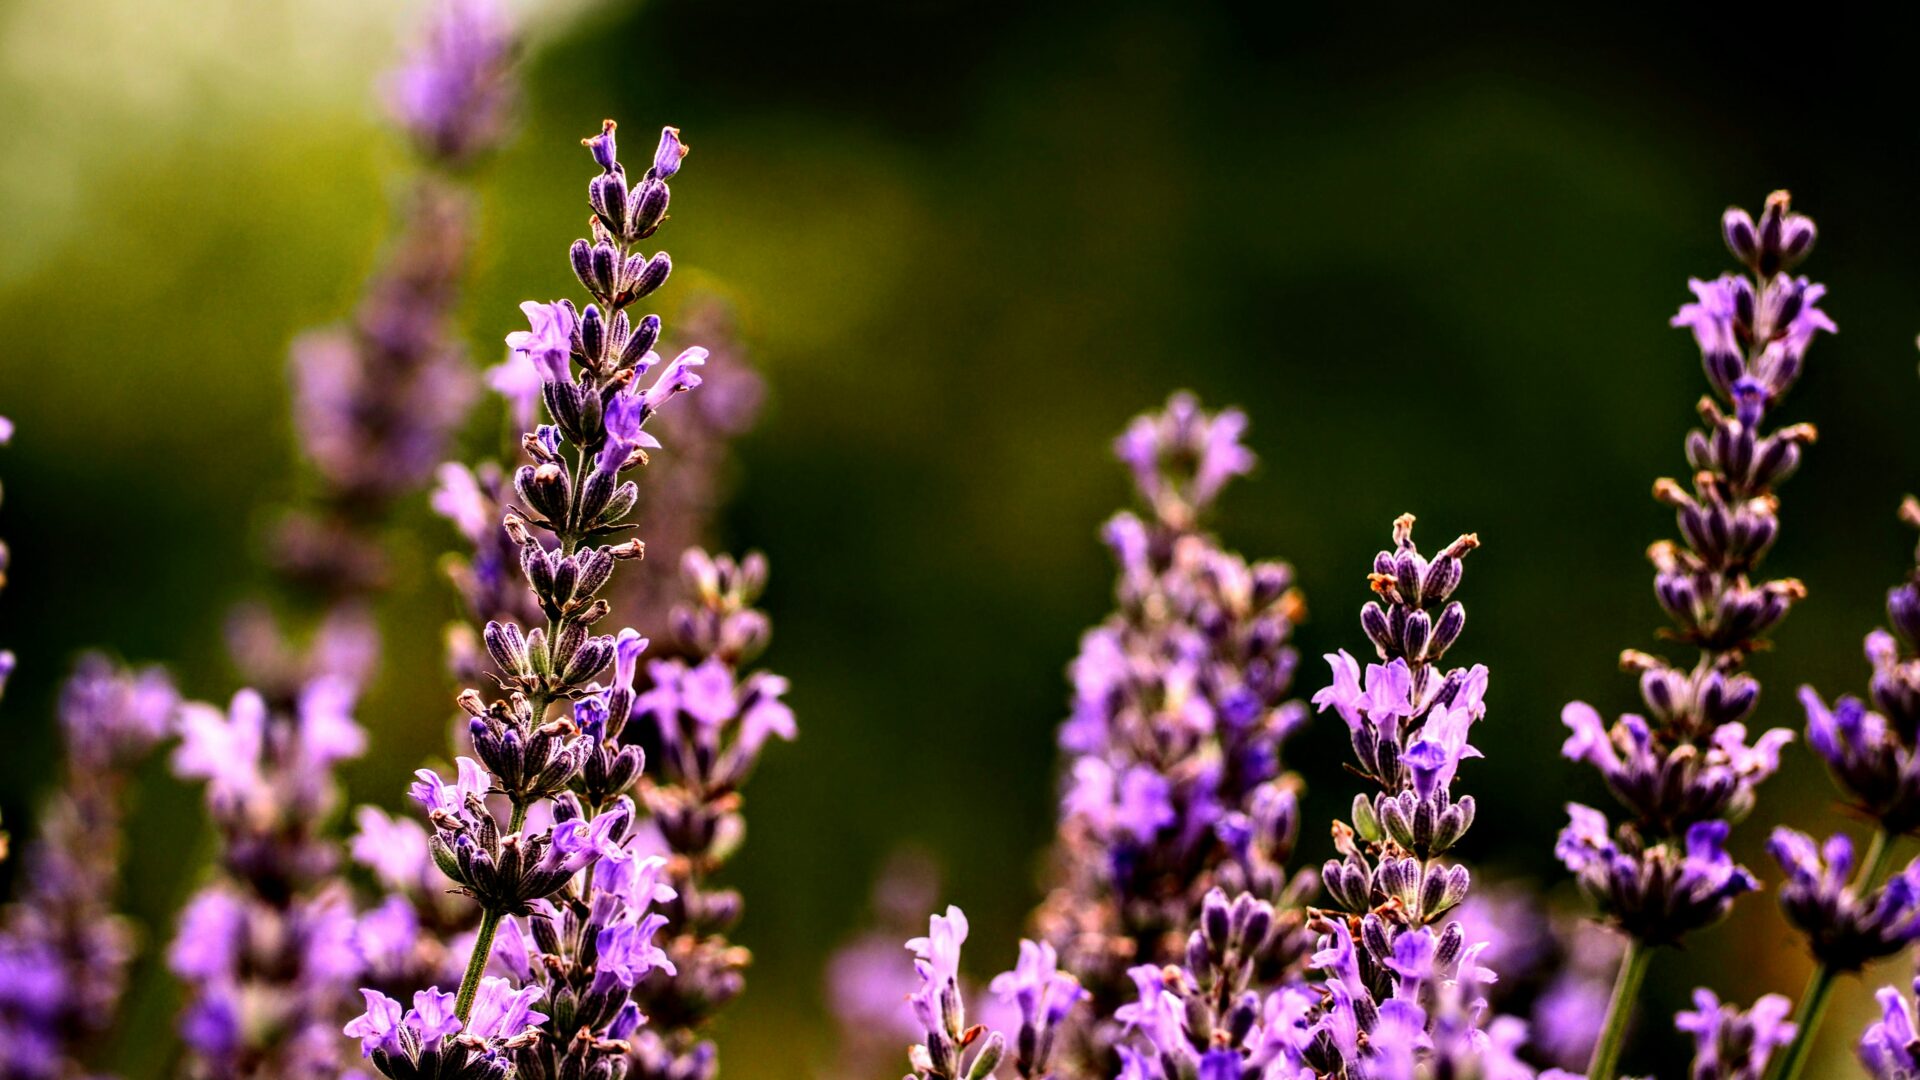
<point x="1730" y="1044"/>
<point x="587" y="950"/>
<point x="952" y="1049"/>
<point x="1871" y="752"/>
<point x="1406" y="992"/>
<point x="709" y="720"/>
<point x="1847" y="925"/>
<point x="376" y="401"/>
<point x="1689" y="768"/>
<point x="430" y="1042"/>
<point x="1890" y="1049"/>
<point x="268" y="947"/>
<point x="63" y="951"/>
<point x="1180" y="707"/>
<point x="563" y="859"/>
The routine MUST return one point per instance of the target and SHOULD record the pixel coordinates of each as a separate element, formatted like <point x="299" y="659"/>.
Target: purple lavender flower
<point x="1656" y="894"/>
<point x="952" y="1049"/>
<point x="1174" y="778"/>
<point x="1847" y="926"/>
<point x="590" y="948"/>
<point x="1044" y="995"/>
<point x="1687" y="767"/>
<point x="267" y="949"/>
<point x="1890" y="1049"/>
<point x="549" y="752"/>
<point x="376" y="401"/>
<point x="63" y="951"/>
<point x="711" y="720"/>
<point x="1871" y="752"/>
<point x="430" y="1040"/>
<point x="1731" y="1044"/>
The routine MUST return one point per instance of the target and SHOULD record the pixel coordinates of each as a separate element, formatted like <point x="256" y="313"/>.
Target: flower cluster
<point x="953" y="1050"/>
<point x="1405" y="989"/>
<point x="1180" y="707"/>
<point x="583" y="952"/>
<point x="549" y="753"/>
<point x="266" y="948"/>
<point x="707" y="720"/>
<point x="1733" y="1045"/>
<point x="63" y="951"/>
<point x="453" y="93"/>
<point x="1688" y="769"/>
<point x="1874" y="753"/>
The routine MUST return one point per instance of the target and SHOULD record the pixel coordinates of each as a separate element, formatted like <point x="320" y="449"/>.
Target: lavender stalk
<point x="1688" y="772"/>
<point x="1405" y="989"/>
<point x="271" y="946"/>
<point x="63" y="951"/>
<point x="1177" y="791"/>
<point x="709" y="720"/>
<point x="565" y="860"/>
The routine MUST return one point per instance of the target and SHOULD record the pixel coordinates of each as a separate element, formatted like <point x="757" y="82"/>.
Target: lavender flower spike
<point x="63" y="951"/>
<point x="1873" y="752"/>
<point x="1688" y="766"/>
<point x="570" y="869"/>
<point x="1405" y="991"/>
<point x="1847" y="925"/>
<point x="711" y="719"/>
<point x="1176" y="786"/>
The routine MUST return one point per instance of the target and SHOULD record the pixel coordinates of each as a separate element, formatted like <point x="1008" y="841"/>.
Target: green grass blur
<point x="1432" y="256"/>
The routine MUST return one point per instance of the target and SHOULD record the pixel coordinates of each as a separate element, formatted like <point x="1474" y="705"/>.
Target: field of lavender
<point x="416" y="579"/>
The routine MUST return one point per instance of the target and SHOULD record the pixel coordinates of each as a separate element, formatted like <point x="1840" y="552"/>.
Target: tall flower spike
<point x="1175" y="785"/>
<point x="266" y="947"/>
<point x="270" y="947"/>
<point x="63" y="951"/>
<point x="550" y="746"/>
<point x="1405" y="989"/>
<point x="708" y="719"/>
<point x="1688" y="766"/>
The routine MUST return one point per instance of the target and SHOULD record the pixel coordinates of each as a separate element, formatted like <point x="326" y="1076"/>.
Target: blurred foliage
<point x="1432" y="255"/>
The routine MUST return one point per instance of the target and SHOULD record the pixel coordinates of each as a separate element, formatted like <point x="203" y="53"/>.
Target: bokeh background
<point x="1432" y="254"/>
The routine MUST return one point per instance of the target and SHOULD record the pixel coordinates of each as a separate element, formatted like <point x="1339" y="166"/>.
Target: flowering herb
<point x="953" y="1050"/>
<point x="566" y="859"/>
<point x="1405" y="989"/>
<point x="64" y="952"/>
<point x="708" y="720"/>
<point x="1688" y="768"/>
<point x="1175" y="784"/>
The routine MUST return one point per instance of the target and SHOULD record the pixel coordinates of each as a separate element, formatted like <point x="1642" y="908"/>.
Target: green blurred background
<point x="1433" y="255"/>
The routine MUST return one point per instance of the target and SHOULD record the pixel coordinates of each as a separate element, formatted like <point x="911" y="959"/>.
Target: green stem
<point x="483" y="945"/>
<point x="1626" y="990"/>
<point x="1813" y="1005"/>
<point x="1874" y="866"/>
<point x="1813" y="1002"/>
